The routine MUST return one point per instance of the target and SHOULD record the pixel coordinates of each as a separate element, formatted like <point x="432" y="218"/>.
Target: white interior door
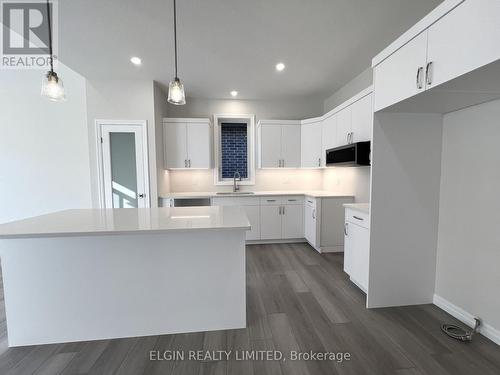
<point x="124" y="166"/>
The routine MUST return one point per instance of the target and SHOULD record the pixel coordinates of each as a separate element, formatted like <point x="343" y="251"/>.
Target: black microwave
<point x="354" y="154"/>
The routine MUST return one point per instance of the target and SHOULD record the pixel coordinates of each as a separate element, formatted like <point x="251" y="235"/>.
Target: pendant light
<point x="176" y="88"/>
<point x="52" y="86"/>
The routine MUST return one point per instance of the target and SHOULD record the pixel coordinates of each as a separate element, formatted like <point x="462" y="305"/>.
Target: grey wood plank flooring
<point x="297" y="300"/>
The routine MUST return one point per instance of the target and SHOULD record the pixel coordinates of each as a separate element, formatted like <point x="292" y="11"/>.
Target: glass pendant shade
<point x="53" y="88"/>
<point x="176" y="92"/>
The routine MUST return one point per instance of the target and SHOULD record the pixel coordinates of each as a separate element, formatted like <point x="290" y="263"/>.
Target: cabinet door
<point x="310" y="225"/>
<point x="290" y="146"/>
<point x="344" y="126"/>
<point x="270" y="146"/>
<point x="310" y="145"/>
<point x="329" y="134"/>
<point x="270" y="222"/>
<point x="293" y="221"/>
<point x="360" y="242"/>
<point x="396" y="77"/>
<point x="198" y="145"/>
<point x="465" y="39"/>
<point x="253" y="214"/>
<point x="175" y="143"/>
<point x="362" y="119"/>
<point x="348" y="249"/>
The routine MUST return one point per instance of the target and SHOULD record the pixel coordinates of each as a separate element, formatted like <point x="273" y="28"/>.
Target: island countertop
<point x="88" y="222"/>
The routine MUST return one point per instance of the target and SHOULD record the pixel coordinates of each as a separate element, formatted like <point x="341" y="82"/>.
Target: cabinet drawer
<point x="292" y="199"/>
<point x="239" y="201"/>
<point x="270" y="201"/>
<point x="357" y="217"/>
<point x="311" y="202"/>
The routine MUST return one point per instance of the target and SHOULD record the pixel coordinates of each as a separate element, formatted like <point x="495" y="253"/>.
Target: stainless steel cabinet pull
<point x="348" y="138"/>
<point x="185" y="163"/>
<point x="319" y="162"/>
<point x="345" y="228"/>
<point x="292" y="200"/>
<point x="420" y="85"/>
<point x="283" y="210"/>
<point x="271" y="200"/>
<point x="428" y="72"/>
<point x="314" y="214"/>
<point x="358" y="218"/>
<point x="189" y="163"/>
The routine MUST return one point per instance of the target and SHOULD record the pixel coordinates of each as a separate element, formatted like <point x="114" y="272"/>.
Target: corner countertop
<point x="90" y="222"/>
<point x="213" y="194"/>
<point x="363" y="207"/>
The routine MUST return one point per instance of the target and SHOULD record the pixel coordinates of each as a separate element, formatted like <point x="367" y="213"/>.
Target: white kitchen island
<point x="98" y="274"/>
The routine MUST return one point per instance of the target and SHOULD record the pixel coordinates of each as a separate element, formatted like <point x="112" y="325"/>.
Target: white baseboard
<point x="467" y="318"/>
<point x="265" y="242"/>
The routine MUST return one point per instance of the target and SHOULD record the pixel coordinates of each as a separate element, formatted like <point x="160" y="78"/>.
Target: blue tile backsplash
<point x="234" y="149"/>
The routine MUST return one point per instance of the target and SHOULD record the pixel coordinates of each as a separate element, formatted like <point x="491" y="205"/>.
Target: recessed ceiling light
<point x="234" y="93"/>
<point x="280" y="67"/>
<point x="136" y="60"/>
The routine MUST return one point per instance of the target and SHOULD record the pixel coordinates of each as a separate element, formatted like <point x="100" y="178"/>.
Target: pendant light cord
<point x="175" y="38"/>
<point x="49" y="19"/>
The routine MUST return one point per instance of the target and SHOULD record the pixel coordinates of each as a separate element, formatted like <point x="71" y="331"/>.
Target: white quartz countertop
<point x="211" y="194"/>
<point x="87" y="222"/>
<point x="363" y="207"/>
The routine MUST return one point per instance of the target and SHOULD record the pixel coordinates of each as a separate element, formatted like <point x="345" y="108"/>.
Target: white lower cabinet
<point x="356" y="249"/>
<point x="292" y="221"/>
<point x="310" y="227"/>
<point x="270" y="221"/>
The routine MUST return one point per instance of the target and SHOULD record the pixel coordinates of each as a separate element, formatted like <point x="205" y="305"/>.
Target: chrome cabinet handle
<point x="282" y="163"/>
<point x="142" y="195"/>
<point x="270" y="200"/>
<point x="358" y="218"/>
<point x="352" y="137"/>
<point x="314" y="214"/>
<point x="419" y="78"/>
<point x="185" y="163"/>
<point x="428" y="72"/>
<point x="283" y="210"/>
<point x="348" y="137"/>
<point x="189" y="163"/>
<point x="319" y="162"/>
<point x="345" y="228"/>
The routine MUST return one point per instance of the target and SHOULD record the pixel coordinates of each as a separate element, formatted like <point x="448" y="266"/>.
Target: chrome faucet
<point x="235" y="185"/>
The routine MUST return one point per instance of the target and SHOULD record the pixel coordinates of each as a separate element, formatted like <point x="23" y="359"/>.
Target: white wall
<point x="44" y="160"/>
<point x="265" y="179"/>
<point x="468" y="254"/>
<point x="290" y="109"/>
<point x="122" y="100"/>
<point x="348" y="180"/>
<point x="357" y="84"/>
<point x="160" y="111"/>
<point x="404" y="208"/>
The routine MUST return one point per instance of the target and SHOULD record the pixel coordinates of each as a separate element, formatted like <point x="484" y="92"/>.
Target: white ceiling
<point x="234" y="44"/>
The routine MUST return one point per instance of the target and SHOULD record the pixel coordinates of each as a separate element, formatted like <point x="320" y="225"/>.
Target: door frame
<point x="99" y="123"/>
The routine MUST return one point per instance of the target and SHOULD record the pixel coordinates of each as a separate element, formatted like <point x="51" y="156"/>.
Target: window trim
<point x="249" y="119"/>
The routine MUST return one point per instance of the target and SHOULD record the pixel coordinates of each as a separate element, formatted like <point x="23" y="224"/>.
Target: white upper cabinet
<point x="362" y="119"/>
<point x="290" y="146"/>
<point x="329" y="134"/>
<point x="175" y="144"/>
<point x="310" y="149"/>
<point x="187" y="143"/>
<point x="270" y="146"/>
<point x="456" y="38"/>
<point x="344" y="126"/>
<point x="198" y="145"/>
<point x="465" y="39"/>
<point x="279" y="144"/>
<point x="402" y="74"/>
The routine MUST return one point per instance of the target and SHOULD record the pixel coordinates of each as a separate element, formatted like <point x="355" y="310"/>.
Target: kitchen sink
<point x="236" y="193"/>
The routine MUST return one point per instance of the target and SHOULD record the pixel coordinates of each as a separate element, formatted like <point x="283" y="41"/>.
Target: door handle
<point x="345" y="228"/>
<point x="428" y="72"/>
<point x="142" y="195"/>
<point x="420" y="70"/>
